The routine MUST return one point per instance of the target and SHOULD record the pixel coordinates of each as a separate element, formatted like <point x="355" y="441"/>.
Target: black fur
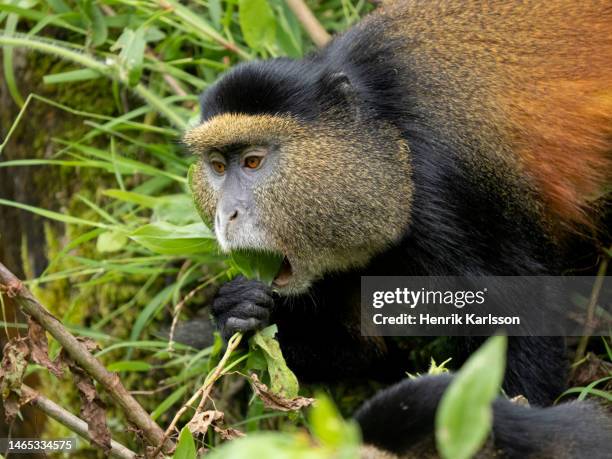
<point x="402" y="416"/>
<point x="242" y="305"/>
<point x="461" y="224"/>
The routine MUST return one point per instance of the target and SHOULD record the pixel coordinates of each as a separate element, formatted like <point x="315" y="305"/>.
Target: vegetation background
<point x="95" y="209"/>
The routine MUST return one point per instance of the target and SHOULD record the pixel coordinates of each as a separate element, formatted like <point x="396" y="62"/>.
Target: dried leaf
<point x="12" y="369"/>
<point x="89" y="343"/>
<point x="282" y="380"/>
<point x="229" y="433"/>
<point x="520" y="400"/>
<point x="276" y="401"/>
<point x="39" y="348"/>
<point x="591" y="369"/>
<point x="93" y="409"/>
<point x="200" y="423"/>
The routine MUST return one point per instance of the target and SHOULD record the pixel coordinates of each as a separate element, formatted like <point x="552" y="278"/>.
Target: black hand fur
<point x="242" y="305"/>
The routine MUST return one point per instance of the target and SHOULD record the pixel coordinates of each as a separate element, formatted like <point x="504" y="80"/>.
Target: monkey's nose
<point x="228" y="215"/>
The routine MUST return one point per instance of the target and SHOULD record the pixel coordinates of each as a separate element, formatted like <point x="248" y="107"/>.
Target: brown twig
<point x="311" y="25"/>
<point x="77" y="351"/>
<point x="74" y="423"/>
<point x="588" y="327"/>
<point x="204" y="390"/>
<point x="179" y="307"/>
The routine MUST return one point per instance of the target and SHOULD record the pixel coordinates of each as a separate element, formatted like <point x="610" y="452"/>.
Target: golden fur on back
<point x="531" y="80"/>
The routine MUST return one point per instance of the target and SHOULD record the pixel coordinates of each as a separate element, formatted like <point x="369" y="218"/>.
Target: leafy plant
<point x="465" y="416"/>
<point x="133" y="245"/>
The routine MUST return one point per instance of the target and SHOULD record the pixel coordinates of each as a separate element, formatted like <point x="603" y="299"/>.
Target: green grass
<point x="135" y="246"/>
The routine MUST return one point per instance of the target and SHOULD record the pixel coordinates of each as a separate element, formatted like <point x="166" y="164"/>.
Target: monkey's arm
<point x="401" y="418"/>
<point x="317" y="340"/>
<point x="320" y="346"/>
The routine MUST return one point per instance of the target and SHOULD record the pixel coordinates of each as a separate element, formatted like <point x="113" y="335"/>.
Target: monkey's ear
<point x="338" y="91"/>
<point x="340" y="81"/>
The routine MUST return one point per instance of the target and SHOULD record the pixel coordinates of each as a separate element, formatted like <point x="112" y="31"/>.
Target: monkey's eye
<point x="253" y="160"/>
<point x="217" y="162"/>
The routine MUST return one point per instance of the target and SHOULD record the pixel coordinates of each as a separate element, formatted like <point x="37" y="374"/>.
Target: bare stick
<point x="204" y="391"/>
<point x="74" y="423"/>
<point x="588" y="327"/>
<point x="179" y="307"/>
<point x="311" y="25"/>
<point x="77" y="351"/>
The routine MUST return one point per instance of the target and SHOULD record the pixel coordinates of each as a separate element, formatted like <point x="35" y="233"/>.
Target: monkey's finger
<point x="241" y="284"/>
<point x="247" y="310"/>
<point x="244" y="310"/>
<point x="234" y="324"/>
<point x="225" y="301"/>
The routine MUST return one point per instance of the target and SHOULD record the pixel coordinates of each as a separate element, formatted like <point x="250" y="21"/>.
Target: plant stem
<point x="313" y="27"/>
<point x="588" y="327"/>
<point x="89" y="62"/>
<point x="204" y="390"/>
<point x="195" y="21"/>
<point x="69" y="420"/>
<point x="79" y="353"/>
<point x="50" y="48"/>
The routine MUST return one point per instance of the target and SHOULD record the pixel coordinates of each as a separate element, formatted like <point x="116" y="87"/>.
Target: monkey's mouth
<point x="284" y="275"/>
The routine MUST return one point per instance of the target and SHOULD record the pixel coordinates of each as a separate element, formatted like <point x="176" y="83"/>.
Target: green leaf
<point x="185" y="449"/>
<point x="584" y="391"/>
<point x="289" y="32"/>
<point x="257" y="23"/>
<point x="328" y="426"/>
<point x="129" y="365"/>
<point x="111" y="241"/>
<point x="269" y="445"/>
<point x="99" y="29"/>
<point x="177" y="209"/>
<point x="53" y="215"/>
<point x="153" y="34"/>
<point x="132" y="44"/>
<point x="71" y="76"/>
<point x="59" y="6"/>
<point x="7" y="58"/>
<point x="464" y="416"/>
<point x="164" y="406"/>
<point x="256" y="265"/>
<point x="214" y="9"/>
<point x="168" y="239"/>
<point x="130" y="196"/>
<point x="282" y="379"/>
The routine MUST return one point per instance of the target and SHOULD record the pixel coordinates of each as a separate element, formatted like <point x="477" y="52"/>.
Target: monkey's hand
<point x="242" y="305"/>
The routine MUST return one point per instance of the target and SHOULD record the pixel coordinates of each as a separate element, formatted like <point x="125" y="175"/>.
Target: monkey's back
<point x="527" y="81"/>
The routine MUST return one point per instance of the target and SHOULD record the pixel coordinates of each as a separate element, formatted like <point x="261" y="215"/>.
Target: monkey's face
<point x="327" y="195"/>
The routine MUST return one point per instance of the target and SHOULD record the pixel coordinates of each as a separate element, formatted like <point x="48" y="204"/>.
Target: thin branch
<point x="589" y="323"/>
<point x="74" y="423"/>
<point x="179" y="307"/>
<point x="313" y="27"/>
<point x="77" y="351"/>
<point x="204" y="391"/>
